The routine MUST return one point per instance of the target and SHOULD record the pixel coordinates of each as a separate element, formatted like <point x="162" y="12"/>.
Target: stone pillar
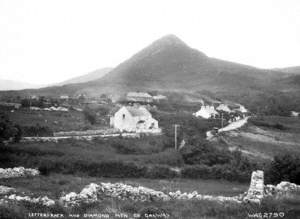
<point x="256" y="190"/>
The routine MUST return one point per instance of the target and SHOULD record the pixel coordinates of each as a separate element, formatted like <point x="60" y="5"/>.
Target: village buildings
<point x="139" y="97"/>
<point x="206" y="112"/>
<point x="134" y="119"/>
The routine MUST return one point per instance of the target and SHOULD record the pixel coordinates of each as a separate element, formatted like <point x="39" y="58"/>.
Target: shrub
<point x="8" y="130"/>
<point x="90" y="116"/>
<point x="284" y="167"/>
<point x="37" y="130"/>
<point x="205" y="153"/>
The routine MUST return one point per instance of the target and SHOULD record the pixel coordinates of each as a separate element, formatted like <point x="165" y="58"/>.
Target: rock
<point x="4" y="190"/>
<point x="17" y="172"/>
<point x="40" y="200"/>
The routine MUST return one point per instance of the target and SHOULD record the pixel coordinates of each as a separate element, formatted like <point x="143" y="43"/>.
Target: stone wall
<point x="256" y="190"/>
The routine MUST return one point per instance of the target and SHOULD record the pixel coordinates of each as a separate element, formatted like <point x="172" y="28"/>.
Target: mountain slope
<point x="94" y="75"/>
<point x="168" y="64"/>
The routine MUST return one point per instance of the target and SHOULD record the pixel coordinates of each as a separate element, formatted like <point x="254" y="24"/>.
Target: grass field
<point x="54" y="184"/>
<point x="268" y="136"/>
<point x="56" y="121"/>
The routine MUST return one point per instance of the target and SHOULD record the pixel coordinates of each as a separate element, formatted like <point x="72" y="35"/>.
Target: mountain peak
<point x="169" y="40"/>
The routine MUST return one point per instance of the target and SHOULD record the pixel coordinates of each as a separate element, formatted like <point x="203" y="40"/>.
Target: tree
<point x="8" y="130"/>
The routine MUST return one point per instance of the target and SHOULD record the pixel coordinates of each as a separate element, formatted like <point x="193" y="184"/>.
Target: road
<point x="234" y="125"/>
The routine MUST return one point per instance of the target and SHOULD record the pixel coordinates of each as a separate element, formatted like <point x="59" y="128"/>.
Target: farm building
<point x="294" y="114"/>
<point x="159" y="98"/>
<point x="64" y="97"/>
<point x="134" y="119"/>
<point x="206" y="112"/>
<point x="139" y="97"/>
<point x="223" y="107"/>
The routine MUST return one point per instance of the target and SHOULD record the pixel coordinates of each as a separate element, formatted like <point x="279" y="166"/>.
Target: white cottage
<point x="139" y="97"/>
<point x="134" y="119"/>
<point x="206" y="112"/>
<point x="224" y="107"/>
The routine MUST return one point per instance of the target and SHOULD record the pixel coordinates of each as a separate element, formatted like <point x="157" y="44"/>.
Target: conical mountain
<point x="169" y="64"/>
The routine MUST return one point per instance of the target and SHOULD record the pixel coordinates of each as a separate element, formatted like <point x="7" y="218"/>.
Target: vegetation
<point x="90" y="116"/>
<point x="174" y="209"/>
<point x="284" y="167"/>
<point x="277" y="123"/>
<point x="8" y="130"/>
<point x="37" y="130"/>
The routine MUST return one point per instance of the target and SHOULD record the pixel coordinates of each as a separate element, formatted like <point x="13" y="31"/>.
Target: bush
<point x="8" y="130"/>
<point x="284" y="167"/>
<point x="90" y="116"/>
<point x="37" y="130"/>
<point x="205" y="153"/>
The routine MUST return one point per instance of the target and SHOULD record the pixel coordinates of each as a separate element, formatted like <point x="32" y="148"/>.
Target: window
<point x="123" y="116"/>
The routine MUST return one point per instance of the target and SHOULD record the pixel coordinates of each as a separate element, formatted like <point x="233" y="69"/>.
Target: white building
<point x="294" y="114"/>
<point x="139" y="97"/>
<point x="223" y="107"/>
<point x="206" y="112"/>
<point x="159" y="97"/>
<point x="64" y="97"/>
<point x="134" y="119"/>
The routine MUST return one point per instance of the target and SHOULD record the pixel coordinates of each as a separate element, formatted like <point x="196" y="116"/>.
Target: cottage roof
<point x="138" y="111"/>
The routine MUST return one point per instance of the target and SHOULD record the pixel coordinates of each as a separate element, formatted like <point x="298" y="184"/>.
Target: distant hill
<point x="94" y="75"/>
<point x="16" y="85"/>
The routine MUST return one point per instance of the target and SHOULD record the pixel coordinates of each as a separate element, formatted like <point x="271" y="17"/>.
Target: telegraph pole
<point x="221" y="120"/>
<point x="175" y="136"/>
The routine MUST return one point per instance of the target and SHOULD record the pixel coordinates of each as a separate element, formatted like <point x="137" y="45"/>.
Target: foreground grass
<point x="172" y="209"/>
<point x="55" y="184"/>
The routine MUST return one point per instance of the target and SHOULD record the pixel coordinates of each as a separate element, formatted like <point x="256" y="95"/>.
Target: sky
<point x="48" y="41"/>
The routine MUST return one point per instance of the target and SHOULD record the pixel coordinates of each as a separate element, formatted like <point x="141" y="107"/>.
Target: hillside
<point x="169" y="63"/>
<point x="94" y="75"/>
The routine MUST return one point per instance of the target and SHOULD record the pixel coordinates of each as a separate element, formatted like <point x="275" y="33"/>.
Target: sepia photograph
<point x="149" y="109"/>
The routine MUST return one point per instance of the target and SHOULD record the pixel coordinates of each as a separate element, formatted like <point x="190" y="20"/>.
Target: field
<point x="207" y="167"/>
<point x="56" y="121"/>
<point x="267" y="136"/>
<point x="55" y="185"/>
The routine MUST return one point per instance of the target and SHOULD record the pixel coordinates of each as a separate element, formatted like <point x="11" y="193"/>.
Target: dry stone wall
<point x="256" y="190"/>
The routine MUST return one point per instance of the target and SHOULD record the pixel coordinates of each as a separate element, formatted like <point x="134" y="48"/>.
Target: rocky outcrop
<point x="17" y="172"/>
<point x="4" y="190"/>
